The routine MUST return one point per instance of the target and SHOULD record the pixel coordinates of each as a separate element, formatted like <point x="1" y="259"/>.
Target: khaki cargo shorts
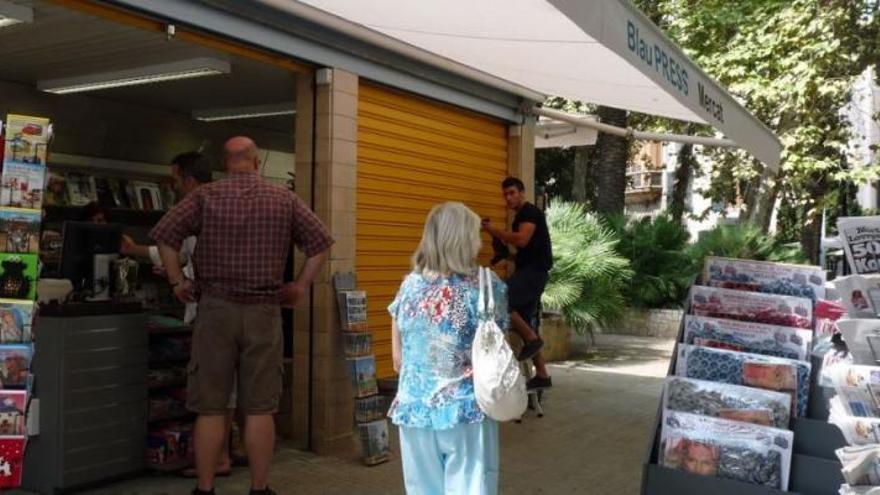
<point x="236" y="350"/>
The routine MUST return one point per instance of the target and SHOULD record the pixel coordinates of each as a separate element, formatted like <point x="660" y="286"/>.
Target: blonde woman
<point x="448" y="445"/>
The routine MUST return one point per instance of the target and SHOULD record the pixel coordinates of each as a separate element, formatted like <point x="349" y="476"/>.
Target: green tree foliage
<point x="792" y="64"/>
<point x="743" y="241"/>
<point x="589" y="277"/>
<point x="658" y="254"/>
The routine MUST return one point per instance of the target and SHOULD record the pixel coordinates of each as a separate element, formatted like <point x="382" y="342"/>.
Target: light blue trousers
<point x="459" y="461"/>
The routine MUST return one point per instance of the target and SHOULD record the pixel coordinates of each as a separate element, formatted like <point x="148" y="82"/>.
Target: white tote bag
<point x="498" y="380"/>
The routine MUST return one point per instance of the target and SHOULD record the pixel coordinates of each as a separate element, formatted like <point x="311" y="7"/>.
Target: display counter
<point x="92" y="393"/>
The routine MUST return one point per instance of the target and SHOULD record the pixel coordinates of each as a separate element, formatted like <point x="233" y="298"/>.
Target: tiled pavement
<point x="591" y="441"/>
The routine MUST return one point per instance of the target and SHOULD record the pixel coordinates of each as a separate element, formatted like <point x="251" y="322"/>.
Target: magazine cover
<point x="27" y="140"/>
<point x="861" y="243"/>
<point x="18" y="276"/>
<point x="11" y="461"/>
<point x="20" y="230"/>
<point x="56" y="189"/>
<point x="16" y="321"/>
<point x="725" y="401"/>
<point x="374" y="441"/>
<point x="756" y="307"/>
<point x="117" y="190"/>
<point x="860" y="294"/>
<point x="744" y="452"/>
<point x="148" y="194"/>
<point x="81" y="189"/>
<point x="764" y="276"/>
<point x="754" y="370"/>
<point x="362" y="372"/>
<point x="352" y="310"/>
<point x="862" y="338"/>
<point x="746" y="336"/>
<point x="857" y="431"/>
<point x="22" y="185"/>
<point x="858" y="388"/>
<point x="15" y="363"/>
<point x="13" y="406"/>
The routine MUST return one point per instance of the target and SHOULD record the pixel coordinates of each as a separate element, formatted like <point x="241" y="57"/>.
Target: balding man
<point x="245" y="226"/>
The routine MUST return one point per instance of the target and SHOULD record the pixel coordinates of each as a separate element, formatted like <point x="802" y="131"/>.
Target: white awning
<point x="556" y="134"/>
<point x="598" y="51"/>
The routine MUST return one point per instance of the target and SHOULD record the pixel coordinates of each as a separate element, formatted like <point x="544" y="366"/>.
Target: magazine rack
<point x="815" y="469"/>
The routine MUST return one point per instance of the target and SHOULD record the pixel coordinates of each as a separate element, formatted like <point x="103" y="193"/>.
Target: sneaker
<point x="539" y="383"/>
<point x="264" y="491"/>
<point x="530" y="348"/>
<point x="196" y="491"/>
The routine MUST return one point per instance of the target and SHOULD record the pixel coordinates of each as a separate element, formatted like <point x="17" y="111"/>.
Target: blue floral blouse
<point x="437" y="320"/>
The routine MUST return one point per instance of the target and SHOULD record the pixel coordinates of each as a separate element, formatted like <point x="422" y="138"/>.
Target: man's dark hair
<point x="513" y="182"/>
<point x="92" y="210"/>
<point x="194" y="164"/>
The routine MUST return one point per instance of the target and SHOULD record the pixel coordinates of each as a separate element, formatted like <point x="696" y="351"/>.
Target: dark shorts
<point x="235" y="345"/>
<point x="524" y="289"/>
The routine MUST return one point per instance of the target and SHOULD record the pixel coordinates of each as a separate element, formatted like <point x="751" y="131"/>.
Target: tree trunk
<point x="811" y="235"/>
<point x="612" y="154"/>
<point x="765" y="200"/>
<point x="579" y="174"/>
<point x="686" y="165"/>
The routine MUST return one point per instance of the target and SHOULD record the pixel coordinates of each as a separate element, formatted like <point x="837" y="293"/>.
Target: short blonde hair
<point x="450" y="242"/>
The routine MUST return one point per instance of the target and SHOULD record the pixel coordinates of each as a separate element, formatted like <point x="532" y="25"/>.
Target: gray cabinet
<point x="91" y="382"/>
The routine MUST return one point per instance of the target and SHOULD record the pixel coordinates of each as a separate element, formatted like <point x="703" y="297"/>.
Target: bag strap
<point x="481" y="302"/>
<point x="490" y="308"/>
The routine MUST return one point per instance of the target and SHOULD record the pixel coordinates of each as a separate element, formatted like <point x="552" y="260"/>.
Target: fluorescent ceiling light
<point x="171" y="71"/>
<point x="250" y="112"/>
<point x="13" y="13"/>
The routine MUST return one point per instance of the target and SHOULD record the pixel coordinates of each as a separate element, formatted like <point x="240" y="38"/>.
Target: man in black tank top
<point x="534" y="259"/>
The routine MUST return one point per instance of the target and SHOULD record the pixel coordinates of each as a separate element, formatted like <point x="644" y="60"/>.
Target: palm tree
<point x="611" y="156"/>
<point x="588" y="277"/>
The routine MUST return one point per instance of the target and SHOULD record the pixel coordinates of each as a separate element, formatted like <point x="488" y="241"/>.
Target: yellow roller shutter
<point x="414" y="153"/>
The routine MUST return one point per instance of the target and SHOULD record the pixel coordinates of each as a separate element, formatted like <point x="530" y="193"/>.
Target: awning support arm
<point x="583" y="121"/>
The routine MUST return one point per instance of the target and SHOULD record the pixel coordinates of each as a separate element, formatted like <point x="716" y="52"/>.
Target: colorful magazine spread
<point x="770" y="309"/>
<point x="745" y="336"/>
<point x="764" y="276"/>
<point x="720" y="448"/>
<point x="753" y="370"/>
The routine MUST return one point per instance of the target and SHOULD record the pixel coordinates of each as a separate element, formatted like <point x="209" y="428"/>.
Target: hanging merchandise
<point x="769" y="340"/>
<point x="764" y="276"/>
<point x="769" y="309"/>
<point x="725" y="401"/>
<point x="731" y="450"/>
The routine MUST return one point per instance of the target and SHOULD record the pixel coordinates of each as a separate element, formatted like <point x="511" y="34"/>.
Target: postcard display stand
<point x="24" y="149"/>
<point x="760" y="297"/>
<point x="369" y="412"/>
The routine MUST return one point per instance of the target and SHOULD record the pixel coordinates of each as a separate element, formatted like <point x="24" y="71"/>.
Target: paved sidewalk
<point x="592" y="440"/>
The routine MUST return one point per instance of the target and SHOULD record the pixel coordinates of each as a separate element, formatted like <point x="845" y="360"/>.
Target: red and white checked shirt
<point x="244" y="227"/>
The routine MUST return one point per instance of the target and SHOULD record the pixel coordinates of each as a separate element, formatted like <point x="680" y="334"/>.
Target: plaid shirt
<point x="244" y="227"/>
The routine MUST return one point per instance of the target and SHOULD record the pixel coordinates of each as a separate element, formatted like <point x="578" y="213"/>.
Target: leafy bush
<point x="658" y="254"/>
<point x="746" y="242"/>
<point x="588" y="276"/>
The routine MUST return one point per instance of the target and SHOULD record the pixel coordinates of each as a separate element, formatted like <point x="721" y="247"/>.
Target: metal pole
<point x="591" y="122"/>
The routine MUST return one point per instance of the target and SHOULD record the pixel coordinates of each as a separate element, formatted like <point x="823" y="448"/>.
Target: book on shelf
<point x="50" y="246"/>
<point x="81" y="189"/>
<point x="149" y="195"/>
<point x="119" y="193"/>
<point x="22" y="184"/>
<point x="56" y="193"/>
